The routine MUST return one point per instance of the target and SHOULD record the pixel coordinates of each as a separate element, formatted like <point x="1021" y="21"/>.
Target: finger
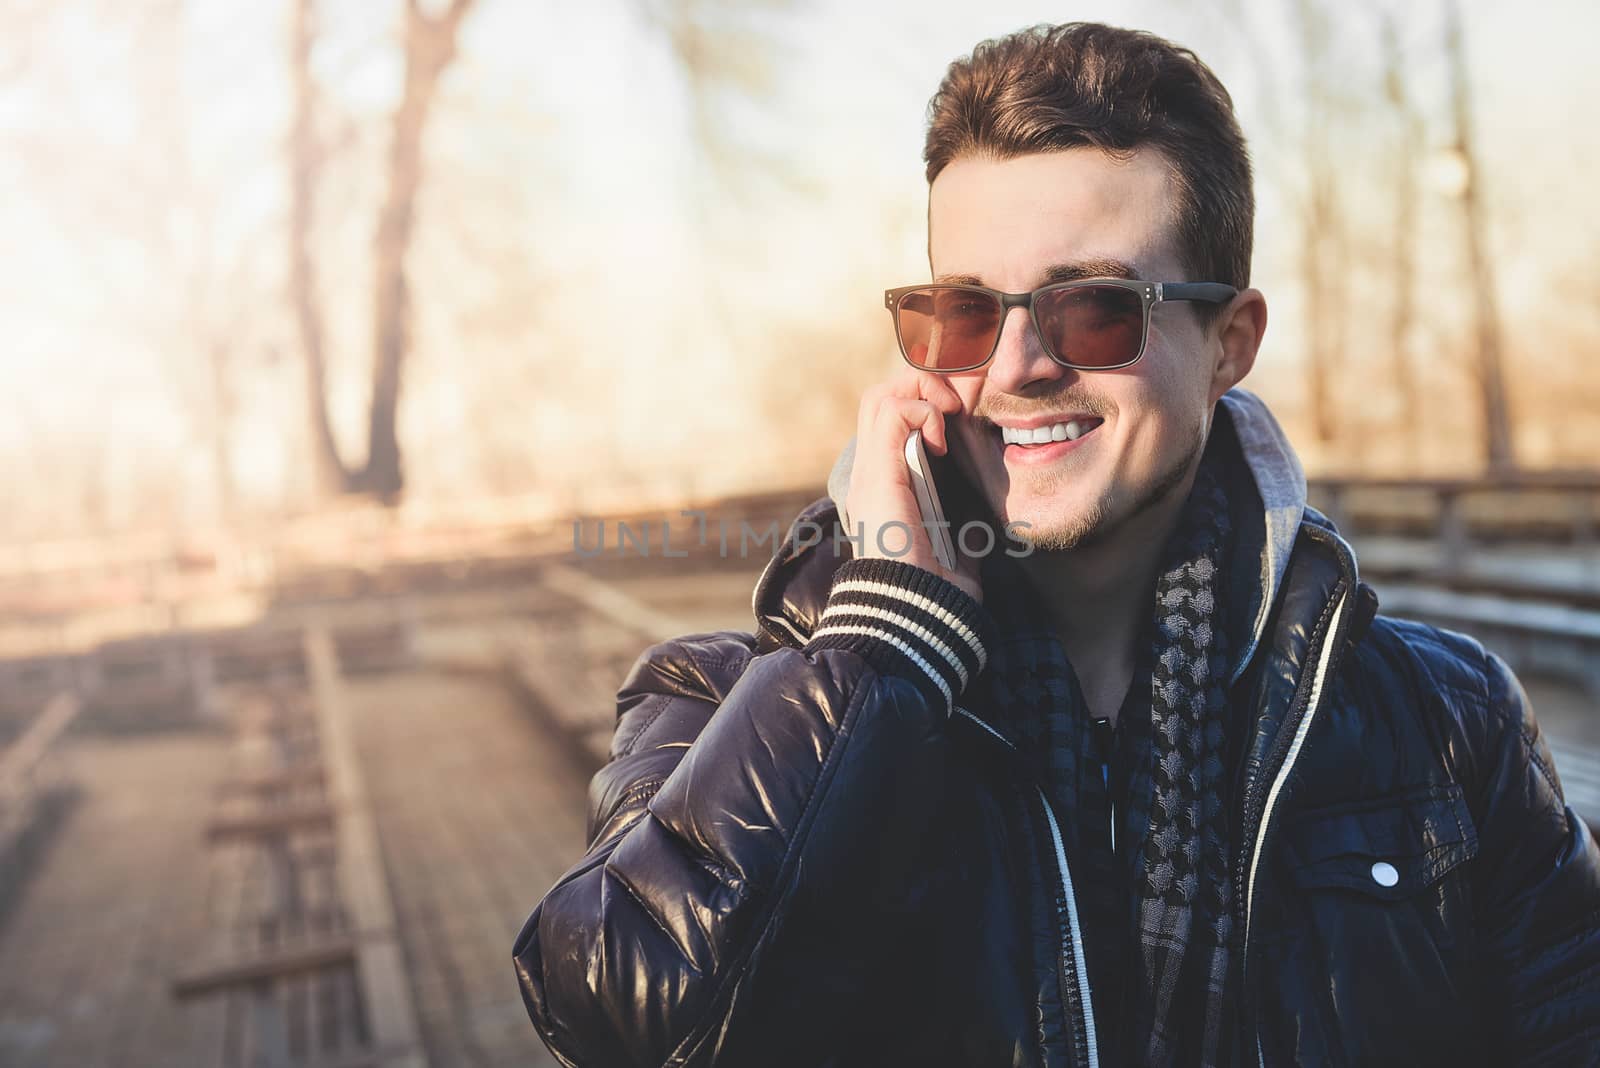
<point x="897" y="418"/>
<point x="880" y="440"/>
<point x="909" y="383"/>
<point x="938" y="390"/>
<point x="906" y="382"/>
<point x="947" y="402"/>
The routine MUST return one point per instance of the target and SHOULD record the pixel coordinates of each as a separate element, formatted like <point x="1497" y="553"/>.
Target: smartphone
<point x="933" y="520"/>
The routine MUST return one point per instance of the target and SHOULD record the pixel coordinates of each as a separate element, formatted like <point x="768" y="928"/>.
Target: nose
<point x="1020" y="361"/>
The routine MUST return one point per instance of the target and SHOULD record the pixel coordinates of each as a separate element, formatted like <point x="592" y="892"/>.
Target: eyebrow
<point x="1058" y="272"/>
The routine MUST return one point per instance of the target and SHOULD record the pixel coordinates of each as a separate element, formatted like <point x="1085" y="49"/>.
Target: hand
<point x="880" y="482"/>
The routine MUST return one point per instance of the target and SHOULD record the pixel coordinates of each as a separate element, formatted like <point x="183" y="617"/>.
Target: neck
<point x="1100" y="594"/>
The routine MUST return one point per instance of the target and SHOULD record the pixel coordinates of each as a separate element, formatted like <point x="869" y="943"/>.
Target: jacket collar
<point x="1309" y="573"/>
<point x="793" y="589"/>
<point x="1281" y="486"/>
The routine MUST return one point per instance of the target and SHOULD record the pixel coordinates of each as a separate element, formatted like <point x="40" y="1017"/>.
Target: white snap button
<point x="1384" y="873"/>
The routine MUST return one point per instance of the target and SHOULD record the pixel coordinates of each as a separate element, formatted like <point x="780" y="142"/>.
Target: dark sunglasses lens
<point x="947" y="329"/>
<point x="1092" y="326"/>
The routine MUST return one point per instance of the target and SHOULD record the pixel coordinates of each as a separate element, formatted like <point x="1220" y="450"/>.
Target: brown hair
<point x="1082" y="83"/>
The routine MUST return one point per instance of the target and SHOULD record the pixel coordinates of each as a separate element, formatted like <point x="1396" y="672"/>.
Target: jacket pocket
<point x="1389" y="848"/>
<point x="1373" y="916"/>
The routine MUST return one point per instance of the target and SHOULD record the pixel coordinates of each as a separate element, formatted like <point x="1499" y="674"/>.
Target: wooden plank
<point x="271" y="822"/>
<point x="380" y="968"/>
<point x="273" y="782"/>
<point x="1534" y="617"/>
<point x="21" y="757"/>
<point x="568" y="671"/>
<point x="1584" y="481"/>
<point x="287" y="961"/>
<point x="1385" y="573"/>
<point x="615" y="605"/>
<point x="377" y="1058"/>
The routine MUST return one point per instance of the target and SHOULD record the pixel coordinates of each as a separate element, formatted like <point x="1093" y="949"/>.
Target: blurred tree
<point x="1322" y="245"/>
<point x="1499" y="452"/>
<point x="726" y="53"/>
<point x="728" y="56"/>
<point x="151" y="232"/>
<point x="1404" y="226"/>
<point x="429" y="48"/>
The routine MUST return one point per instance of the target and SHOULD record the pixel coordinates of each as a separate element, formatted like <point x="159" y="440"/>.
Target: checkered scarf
<point x="1175" y="825"/>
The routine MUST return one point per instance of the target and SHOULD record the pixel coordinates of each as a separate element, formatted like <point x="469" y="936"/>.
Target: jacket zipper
<point x="1313" y="702"/>
<point x="1244" y="886"/>
<point x="1072" y="938"/>
<point x="1072" y="961"/>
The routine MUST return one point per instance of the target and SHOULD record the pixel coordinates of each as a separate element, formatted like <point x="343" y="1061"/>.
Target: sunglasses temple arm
<point x="1207" y="292"/>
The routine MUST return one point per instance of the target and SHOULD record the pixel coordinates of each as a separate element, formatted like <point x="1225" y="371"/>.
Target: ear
<point x="1238" y="331"/>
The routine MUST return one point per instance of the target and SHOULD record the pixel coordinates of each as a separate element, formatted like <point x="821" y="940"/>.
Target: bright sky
<point x="580" y="109"/>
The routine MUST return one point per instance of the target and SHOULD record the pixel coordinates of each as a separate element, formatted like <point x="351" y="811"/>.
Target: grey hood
<point x="1280" y="481"/>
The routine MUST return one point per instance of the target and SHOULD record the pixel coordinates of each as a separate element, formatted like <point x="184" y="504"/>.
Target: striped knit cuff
<point x="905" y="620"/>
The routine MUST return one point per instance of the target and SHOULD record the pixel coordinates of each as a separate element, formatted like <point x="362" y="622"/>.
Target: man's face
<point x="1005" y="225"/>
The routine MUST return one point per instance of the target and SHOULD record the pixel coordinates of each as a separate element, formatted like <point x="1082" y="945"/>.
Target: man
<point x="1154" y="785"/>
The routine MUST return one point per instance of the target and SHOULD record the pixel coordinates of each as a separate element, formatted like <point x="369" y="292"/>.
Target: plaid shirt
<point x="1030" y="685"/>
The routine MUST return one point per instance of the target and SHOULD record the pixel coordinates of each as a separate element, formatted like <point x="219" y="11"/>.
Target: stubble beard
<point x="1096" y="523"/>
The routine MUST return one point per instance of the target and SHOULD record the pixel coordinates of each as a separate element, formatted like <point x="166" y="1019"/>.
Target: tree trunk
<point x="304" y="161"/>
<point x="430" y="46"/>
<point x="1320" y="218"/>
<point x="1404" y="266"/>
<point x="1498" y="451"/>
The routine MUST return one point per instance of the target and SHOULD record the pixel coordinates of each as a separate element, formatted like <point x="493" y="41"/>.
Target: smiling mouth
<point x="1032" y="437"/>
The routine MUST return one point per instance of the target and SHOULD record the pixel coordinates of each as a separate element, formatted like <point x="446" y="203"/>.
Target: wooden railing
<point x="1549" y="507"/>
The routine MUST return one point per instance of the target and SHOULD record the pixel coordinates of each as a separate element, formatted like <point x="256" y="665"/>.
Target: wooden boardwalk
<point x="478" y="816"/>
<point x="154" y="881"/>
<point x="470" y="760"/>
<point x="117" y="904"/>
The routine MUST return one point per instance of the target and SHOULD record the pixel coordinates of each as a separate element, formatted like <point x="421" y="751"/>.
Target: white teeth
<point x="1070" y="431"/>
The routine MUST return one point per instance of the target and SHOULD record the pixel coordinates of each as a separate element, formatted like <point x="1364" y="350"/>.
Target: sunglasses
<point x="1094" y="324"/>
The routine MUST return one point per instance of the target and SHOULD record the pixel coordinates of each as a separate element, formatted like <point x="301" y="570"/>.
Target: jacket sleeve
<point x="737" y="837"/>
<point x="1539" y="894"/>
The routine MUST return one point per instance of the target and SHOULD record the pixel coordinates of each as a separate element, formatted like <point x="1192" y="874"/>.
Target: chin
<point x="1054" y="528"/>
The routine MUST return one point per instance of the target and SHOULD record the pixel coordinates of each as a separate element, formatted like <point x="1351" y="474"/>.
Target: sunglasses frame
<point x="1150" y="294"/>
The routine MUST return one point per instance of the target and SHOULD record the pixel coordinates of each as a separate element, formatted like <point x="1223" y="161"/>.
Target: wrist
<point x="910" y="621"/>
